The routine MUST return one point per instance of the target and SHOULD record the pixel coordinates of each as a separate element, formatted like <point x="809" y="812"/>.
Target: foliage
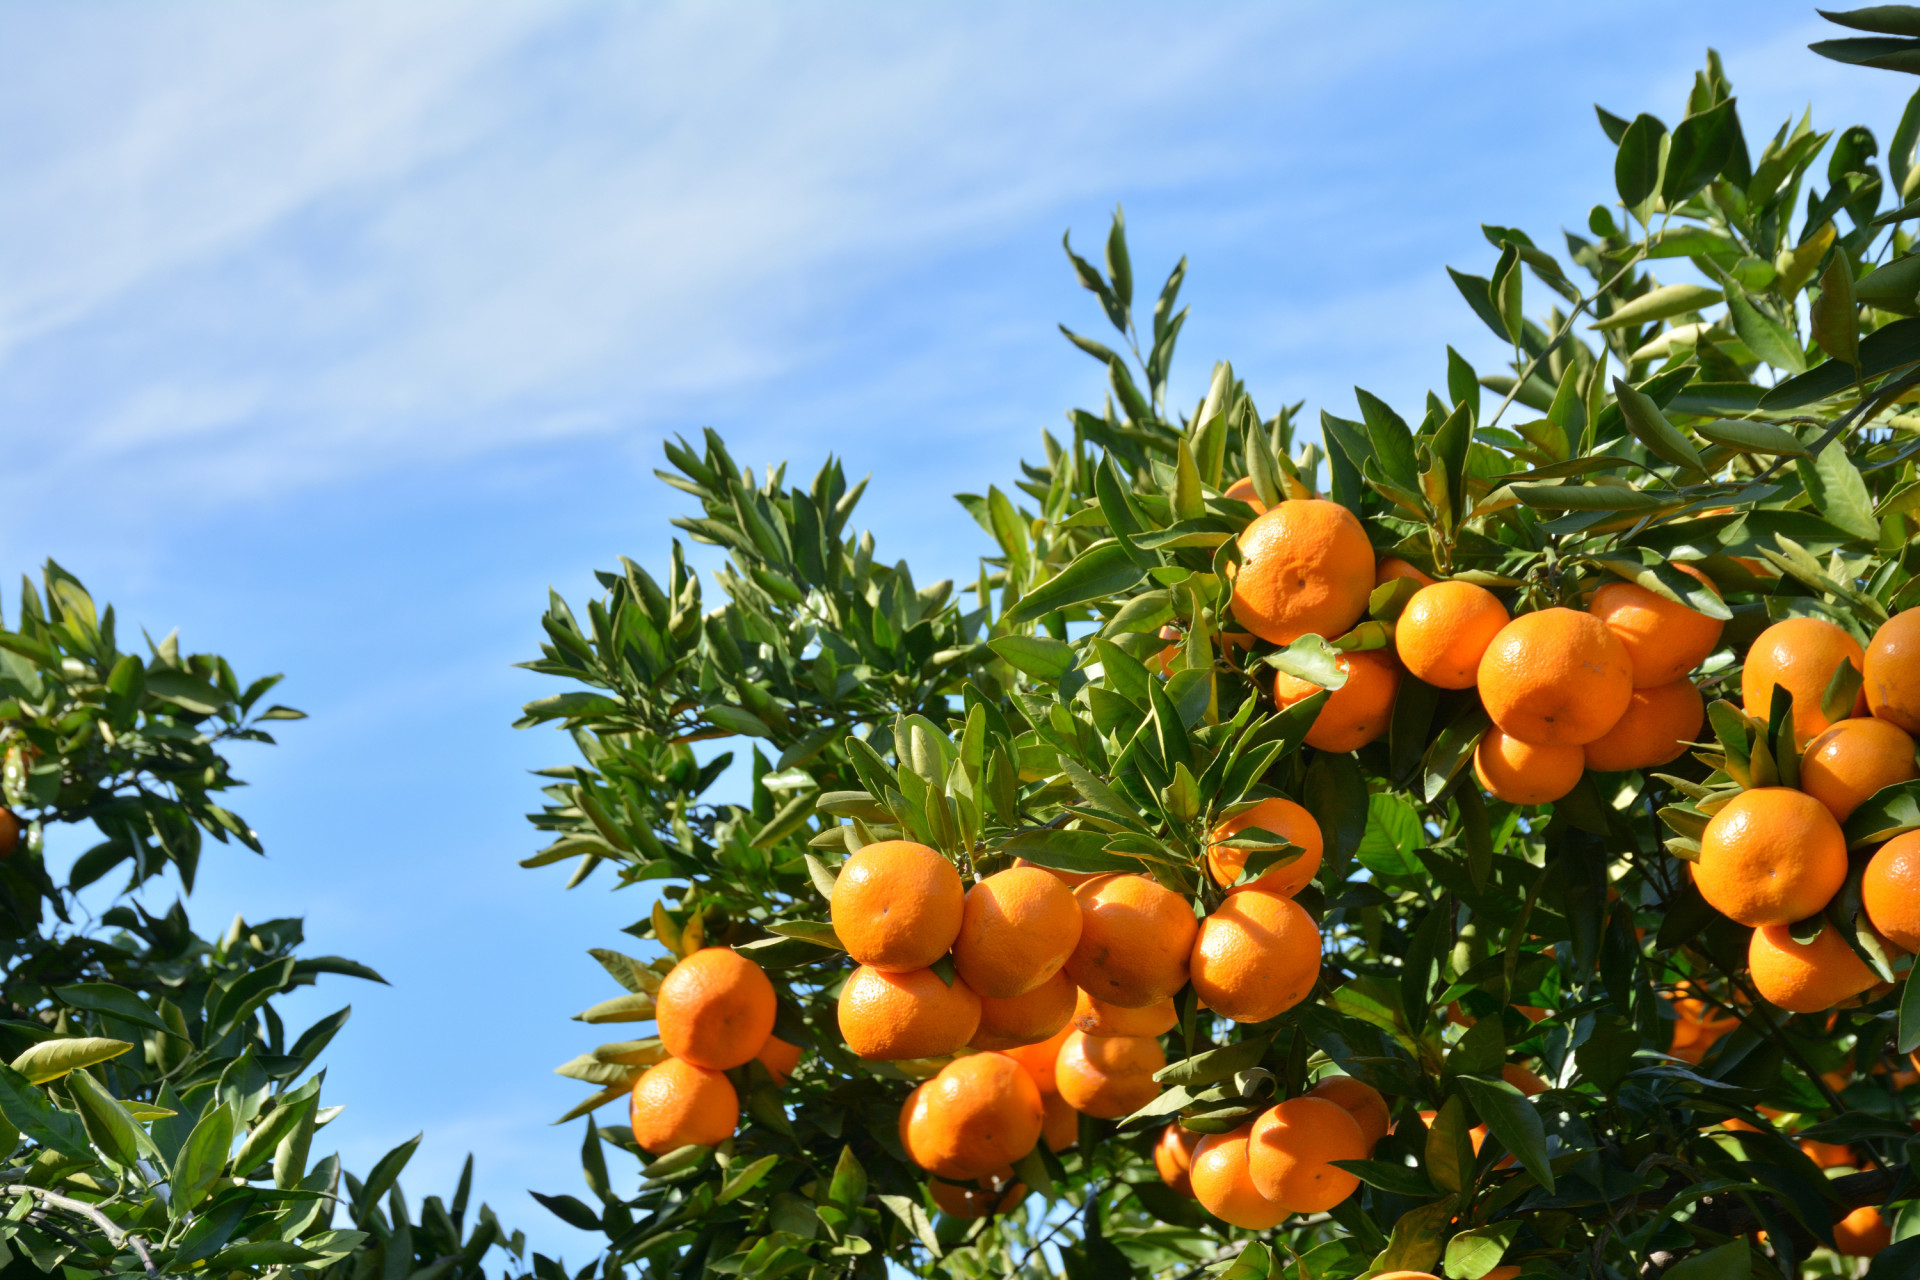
<point x="1720" y="377"/>
<point x="154" y="1117"/>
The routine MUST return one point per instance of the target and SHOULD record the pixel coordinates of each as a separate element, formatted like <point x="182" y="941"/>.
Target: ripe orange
<point x="1445" y="629"/>
<point x="1361" y="1101"/>
<point x="1854" y="758"/>
<point x="1025" y="1019"/>
<point x="1358" y="711"/>
<point x="1391" y="567"/>
<point x="1800" y="655"/>
<point x="1059" y="1122"/>
<point x="677" y="1104"/>
<point x="1890" y="890"/>
<point x="1098" y="1018"/>
<point x="922" y="1130"/>
<point x="1862" y="1233"/>
<point x="1283" y="818"/>
<point x="897" y="906"/>
<point x="1697" y="1028"/>
<point x="1256" y="956"/>
<point x="1242" y="490"/>
<point x="1218" y="1175"/>
<point x="1039" y="1058"/>
<point x="980" y="1113"/>
<point x="1664" y="639"/>
<point x="715" y="1009"/>
<point x="1805" y="979"/>
<point x="1773" y="855"/>
<point x="1305" y="566"/>
<point x="888" y="1016"/>
<point x="1892" y="670"/>
<point x="1659" y="723"/>
<point x="997" y="1192"/>
<point x="779" y="1058"/>
<point x="1108" y="1076"/>
<point x="1173" y="1157"/>
<point x="1523" y="1079"/>
<point x="1556" y="677"/>
<point x="1522" y="773"/>
<point x="1134" y="940"/>
<point x="1290" y="1148"/>
<point x="1018" y="928"/>
<point x="1829" y="1155"/>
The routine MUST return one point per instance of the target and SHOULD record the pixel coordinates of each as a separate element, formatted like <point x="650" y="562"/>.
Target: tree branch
<point x="115" y="1236"/>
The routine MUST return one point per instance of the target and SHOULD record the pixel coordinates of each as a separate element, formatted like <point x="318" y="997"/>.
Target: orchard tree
<point x="157" y="1117"/>
<point x="1483" y="840"/>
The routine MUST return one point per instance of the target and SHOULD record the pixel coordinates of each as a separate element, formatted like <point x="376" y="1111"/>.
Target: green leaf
<point x="1396" y="1178"/>
<point x="1701" y="146"/>
<point x="738" y="1184"/>
<point x="1660" y="304"/>
<point x="849" y="1186"/>
<point x="1254" y="1263"/>
<point x="1751" y="437"/>
<point x="1312" y="659"/>
<point x="201" y="1161"/>
<point x="1512" y="1119"/>
<point x="1039" y="657"/>
<point x="1591" y="497"/>
<point x="27" y="1109"/>
<point x="1449" y="1149"/>
<point x="117" y="1002"/>
<point x="1731" y="1261"/>
<point x="1417" y="1236"/>
<point x="1214" y="1065"/>
<point x="109" y="1124"/>
<point x="1102" y="570"/>
<point x="51" y="1059"/>
<point x="1883" y="815"/>
<point x="913" y="1216"/>
<point x="1838" y="493"/>
<point x="1474" y="1252"/>
<point x="1836" y="316"/>
<point x="1010" y="531"/>
<point x="1650" y="426"/>
<point x="1082" y="851"/>
<point x="1636" y="165"/>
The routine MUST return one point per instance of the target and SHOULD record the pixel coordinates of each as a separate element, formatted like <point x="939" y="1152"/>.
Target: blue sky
<point x="335" y="334"/>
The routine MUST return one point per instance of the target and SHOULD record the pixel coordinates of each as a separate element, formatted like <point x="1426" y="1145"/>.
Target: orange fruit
<point x="1018" y="928"/>
<point x="1829" y="1155"/>
<point x="1890" y="890"/>
<point x="1218" y="1175"/>
<point x="1556" y="678"/>
<point x="980" y="1113"/>
<point x="1361" y="1101"/>
<point x="676" y="1104"/>
<point x="779" y="1058"/>
<point x="1658" y="724"/>
<point x="1134" y="940"/>
<point x="1305" y="566"/>
<point x="1059" y="1122"/>
<point x="1862" y="1233"/>
<point x="887" y="1016"/>
<point x="1039" y="1058"/>
<point x="1108" y="1076"/>
<point x="1850" y="760"/>
<point x="1242" y="490"/>
<point x="1025" y="1019"/>
<point x="1358" y="711"/>
<point x="1697" y="1028"/>
<point x="1071" y="879"/>
<point x="997" y="1192"/>
<point x="1173" y="1157"/>
<point x="1428" y="1275"/>
<point x="1098" y="1018"/>
<point x="1664" y="639"/>
<point x="1289" y="1151"/>
<point x="1772" y="855"/>
<point x="1800" y="655"/>
<point x="1256" y="956"/>
<point x="1283" y="818"/>
<point x="1805" y="979"/>
<point x="1391" y="567"/>
<point x="1892" y="671"/>
<point x="715" y="1009"/>
<point x="1523" y="1079"/>
<point x="897" y="906"/>
<point x="1445" y="629"/>
<point x="1522" y="773"/>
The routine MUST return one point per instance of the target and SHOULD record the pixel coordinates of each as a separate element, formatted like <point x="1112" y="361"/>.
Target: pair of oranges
<point x="715" y="1011"/>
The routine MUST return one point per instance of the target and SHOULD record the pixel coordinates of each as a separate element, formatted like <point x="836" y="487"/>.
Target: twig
<point x="114" y="1234"/>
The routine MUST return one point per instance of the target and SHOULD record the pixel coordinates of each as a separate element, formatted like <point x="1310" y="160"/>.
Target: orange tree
<point x="157" y="1116"/>
<point x="1531" y="776"/>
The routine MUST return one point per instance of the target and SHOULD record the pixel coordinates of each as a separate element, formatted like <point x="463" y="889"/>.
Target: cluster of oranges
<point x="1059" y="989"/>
<point x="1566" y="690"/>
<point x="715" y="1012"/>
<point x="1771" y="856"/>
